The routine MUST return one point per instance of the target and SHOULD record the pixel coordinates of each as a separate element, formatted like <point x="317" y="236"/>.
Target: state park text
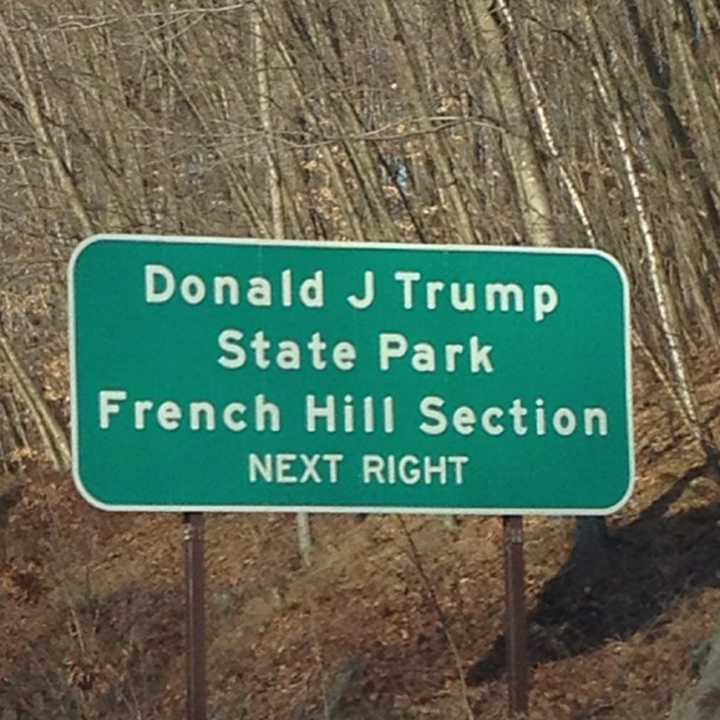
<point x="291" y="370"/>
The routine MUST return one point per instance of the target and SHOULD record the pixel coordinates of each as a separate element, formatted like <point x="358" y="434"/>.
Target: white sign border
<point x="377" y="509"/>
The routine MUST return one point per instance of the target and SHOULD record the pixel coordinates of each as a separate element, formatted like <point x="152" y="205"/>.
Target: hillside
<point x="529" y="125"/>
<point x="92" y="622"/>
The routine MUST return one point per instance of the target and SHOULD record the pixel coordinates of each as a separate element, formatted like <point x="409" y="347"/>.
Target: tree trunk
<point x="532" y="195"/>
<point x="500" y="29"/>
<point x="662" y="291"/>
<point x="49" y="428"/>
<point x="304" y="530"/>
<point x="589" y="554"/>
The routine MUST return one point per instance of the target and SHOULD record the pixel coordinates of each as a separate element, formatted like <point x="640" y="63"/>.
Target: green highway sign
<point x="214" y="374"/>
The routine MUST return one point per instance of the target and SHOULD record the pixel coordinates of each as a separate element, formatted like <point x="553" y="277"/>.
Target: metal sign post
<point x="516" y="615"/>
<point x="195" y="615"/>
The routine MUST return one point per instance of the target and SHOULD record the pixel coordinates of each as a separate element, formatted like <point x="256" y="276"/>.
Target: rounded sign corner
<point x="615" y="507"/>
<point x="88" y="496"/>
<point x="611" y="260"/>
<point x="620" y="504"/>
<point x="75" y="256"/>
<point x="80" y="248"/>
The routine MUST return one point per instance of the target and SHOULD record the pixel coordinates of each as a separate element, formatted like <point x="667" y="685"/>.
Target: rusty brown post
<point x="516" y="615"/>
<point x="195" y="641"/>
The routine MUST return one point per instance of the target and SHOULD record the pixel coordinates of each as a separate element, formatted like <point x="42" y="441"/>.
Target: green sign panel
<point x="213" y="374"/>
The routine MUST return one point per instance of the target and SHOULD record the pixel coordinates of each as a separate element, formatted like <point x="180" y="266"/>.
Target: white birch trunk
<point x="658" y="278"/>
<point x="304" y="531"/>
<point x="538" y="109"/>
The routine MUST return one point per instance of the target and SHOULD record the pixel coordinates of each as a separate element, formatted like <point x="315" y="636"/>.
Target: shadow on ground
<point x="649" y="565"/>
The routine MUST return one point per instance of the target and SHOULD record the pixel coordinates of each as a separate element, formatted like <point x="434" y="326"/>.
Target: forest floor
<point x="397" y="619"/>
